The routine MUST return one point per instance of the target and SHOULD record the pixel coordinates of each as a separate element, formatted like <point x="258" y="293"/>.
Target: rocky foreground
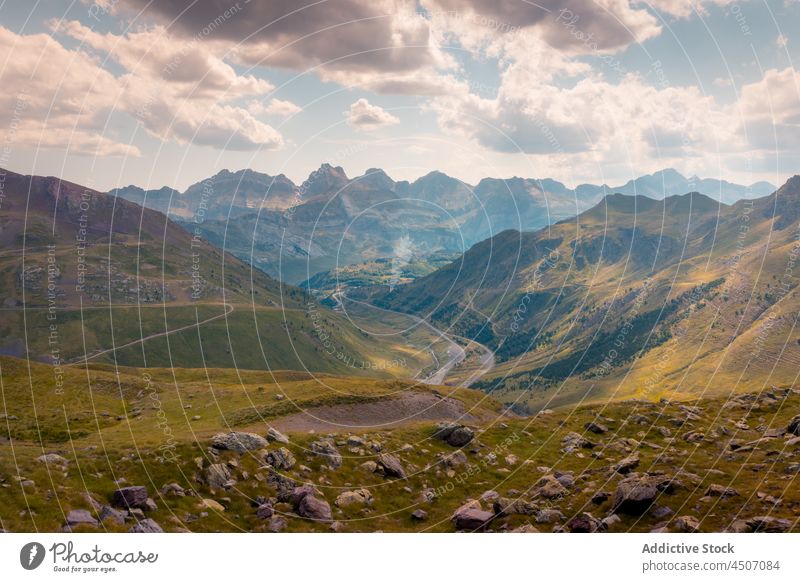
<point x="713" y="465"/>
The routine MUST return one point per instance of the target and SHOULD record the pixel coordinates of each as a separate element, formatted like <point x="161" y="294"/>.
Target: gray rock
<point x="583" y="523"/>
<point x="314" y="508"/>
<point x="282" y="459"/>
<point x="146" y="526"/>
<point x="596" y="427"/>
<point x="130" y="497"/>
<point x="549" y="516"/>
<point x="108" y="513"/>
<point x="240" y="442"/>
<point x="326" y="448"/>
<point x="768" y="524"/>
<point x="264" y="511"/>
<point x="392" y="467"/>
<point x="687" y="524"/>
<point x="217" y="476"/>
<point x="627" y="464"/>
<point x="274" y="435"/>
<point x="52" y="459"/>
<point x="794" y="426"/>
<point x="361" y="497"/>
<point x="419" y="515"/>
<point x="277" y="524"/>
<point x="456" y="435"/>
<point x="471" y="517"/>
<point x="80" y="517"/>
<point x="635" y="495"/>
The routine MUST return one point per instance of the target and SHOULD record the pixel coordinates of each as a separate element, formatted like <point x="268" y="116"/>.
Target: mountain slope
<point x="330" y="221"/>
<point x="635" y="297"/>
<point x="85" y="274"/>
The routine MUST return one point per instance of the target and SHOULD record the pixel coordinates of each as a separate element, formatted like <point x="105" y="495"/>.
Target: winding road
<point x="456" y="353"/>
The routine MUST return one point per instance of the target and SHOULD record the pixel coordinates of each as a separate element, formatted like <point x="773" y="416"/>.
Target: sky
<point x="108" y="93"/>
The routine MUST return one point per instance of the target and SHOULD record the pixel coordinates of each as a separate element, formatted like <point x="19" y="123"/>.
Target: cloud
<point x="56" y="98"/>
<point x="364" y="116"/>
<point x="383" y="45"/>
<point x="179" y="90"/>
<point x="770" y="109"/>
<point x="276" y="107"/>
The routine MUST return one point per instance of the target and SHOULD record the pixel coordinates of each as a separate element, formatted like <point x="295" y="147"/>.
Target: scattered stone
<point x="419" y="515"/>
<point x="326" y="448"/>
<point x="274" y="435"/>
<point x="239" y="442"/>
<point x="455" y="435"/>
<point x="456" y="459"/>
<point x="264" y="511"/>
<point x="277" y="524"/>
<point x="525" y="528"/>
<point x="471" y="517"/>
<point x="596" y="427"/>
<point x="392" y="466"/>
<point x="600" y="497"/>
<point x="627" y="464"/>
<point x="360" y="497"/>
<point x="80" y="517"/>
<point x="721" y="491"/>
<point x="768" y="524"/>
<point x="635" y="495"/>
<point x="314" y="508"/>
<point x="549" y="516"/>
<point x="794" y="426"/>
<point x="687" y="524"/>
<point x="129" y="497"/>
<point x="52" y="459"/>
<point x="573" y="441"/>
<point x="281" y="459"/>
<point x="217" y="476"/>
<point x="108" y="513"/>
<point x="609" y="522"/>
<point x="550" y="488"/>
<point x="583" y="523"/>
<point x="146" y="526"/>
<point x="212" y="504"/>
<point x="173" y="490"/>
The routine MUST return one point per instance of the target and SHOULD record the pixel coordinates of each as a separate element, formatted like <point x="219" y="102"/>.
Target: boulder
<point x="80" y="517"/>
<point x="314" y="508"/>
<point x="715" y="490"/>
<point x="146" y="526"/>
<point x="768" y="524"/>
<point x="794" y="426"/>
<point x="281" y="459"/>
<point x="274" y="435"/>
<point x="627" y="464"/>
<point x="456" y="459"/>
<point x="212" y="505"/>
<point x="595" y="427"/>
<point x="326" y="448"/>
<point x="573" y="441"/>
<point x="549" y="516"/>
<point x="109" y="513"/>
<point x="217" y="476"/>
<point x="392" y="467"/>
<point x="239" y="442"/>
<point x="471" y="517"/>
<point x="550" y="487"/>
<point x="635" y="495"/>
<point x="687" y="524"/>
<point x="52" y="459"/>
<point x="360" y="497"/>
<point x="277" y="524"/>
<point x="300" y="493"/>
<point x="583" y="523"/>
<point x="130" y="497"/>
<point x="456" y="435"/>
<point x="419" y="515"/>
<point x="264" y="511"/>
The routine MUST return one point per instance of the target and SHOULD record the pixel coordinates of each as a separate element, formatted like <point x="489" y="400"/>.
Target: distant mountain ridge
<point x="295" y="231"/>
<point x="635" y="297"/>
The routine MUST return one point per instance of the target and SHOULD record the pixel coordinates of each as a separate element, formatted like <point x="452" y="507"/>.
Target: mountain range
<point x="294" y="231"/>
<point x="636" y="297"/>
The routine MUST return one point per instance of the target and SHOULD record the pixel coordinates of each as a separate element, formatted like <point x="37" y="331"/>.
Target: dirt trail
<point x="406" y="408"/>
